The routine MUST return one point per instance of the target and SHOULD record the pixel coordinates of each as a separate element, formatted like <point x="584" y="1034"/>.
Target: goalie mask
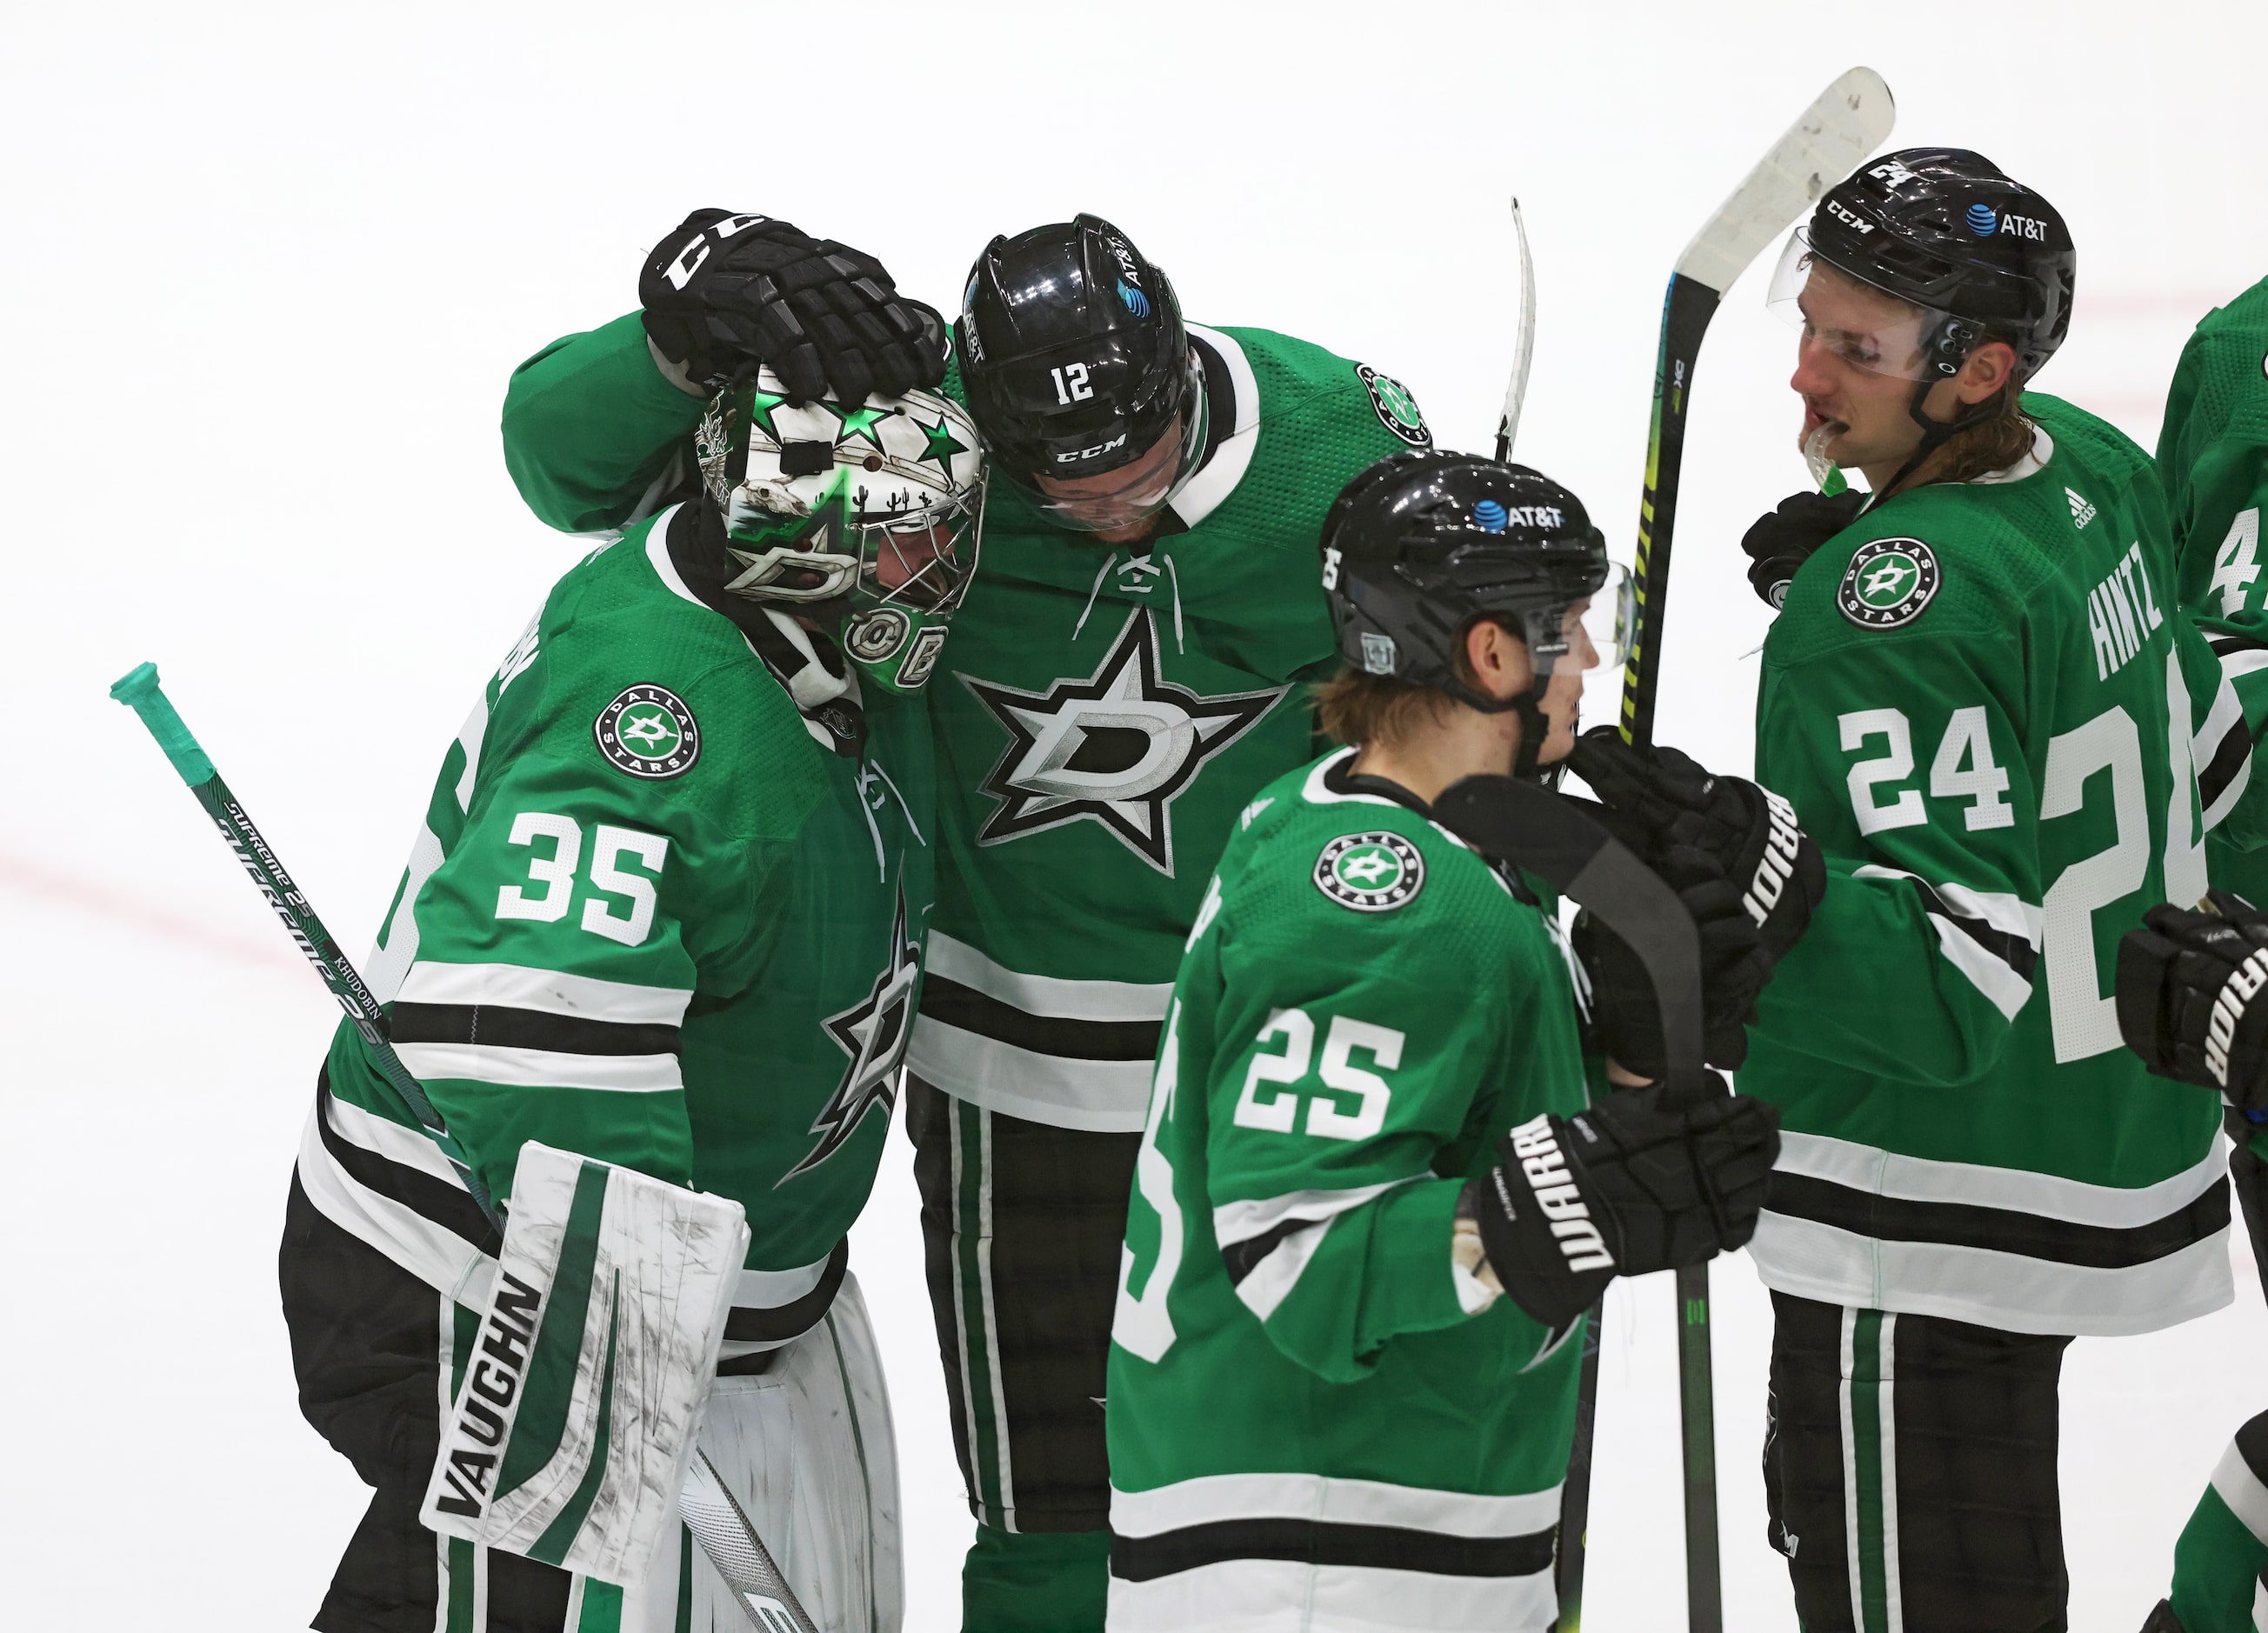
<point x="867" y="515"/>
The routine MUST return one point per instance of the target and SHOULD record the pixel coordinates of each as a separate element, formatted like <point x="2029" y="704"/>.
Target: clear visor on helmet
<point x="1128" y="494"/>
<point x="1594" y="632"/>
<point x="1865" y="327"/>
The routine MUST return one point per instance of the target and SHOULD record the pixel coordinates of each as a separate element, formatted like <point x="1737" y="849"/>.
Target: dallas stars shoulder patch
<point x="1370" y="872"/>
<point x="1888" y="583"/>
<point x="648" y="732"/>
<point x="1396" y="409"/>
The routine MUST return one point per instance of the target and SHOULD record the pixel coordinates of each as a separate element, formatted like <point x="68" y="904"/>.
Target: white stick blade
<point x="1515" y="391"/>
<point x="1848" y="122"/>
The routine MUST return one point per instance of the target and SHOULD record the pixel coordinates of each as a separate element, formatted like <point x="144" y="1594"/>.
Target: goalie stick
<point x="1849" y="121"/>
<point x="715" y="1520"/>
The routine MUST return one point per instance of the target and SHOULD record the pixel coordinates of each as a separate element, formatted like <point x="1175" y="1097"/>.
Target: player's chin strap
<point x="1535" y="725"/>
<point x="1936" y="433"/>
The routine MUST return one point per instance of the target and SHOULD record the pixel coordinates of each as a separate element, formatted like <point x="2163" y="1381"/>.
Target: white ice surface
<point x="266" y="269"/>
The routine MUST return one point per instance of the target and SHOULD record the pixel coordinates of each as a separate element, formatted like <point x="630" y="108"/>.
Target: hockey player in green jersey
<point x="1981" y="696"/>
<point x="1122" y="678"/>
<point x="1370" y="1204"/>
<point x="2212" y="460"/>
<point x="2190" y="985"/>
<point x="667" y="912"/>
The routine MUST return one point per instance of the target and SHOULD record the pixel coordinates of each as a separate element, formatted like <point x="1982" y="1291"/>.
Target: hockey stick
<point x="1516" y="389"/>
<point x="709" y="1510"/>
<point x="1847" y="122"/>
<point x="1575" y="1490"/>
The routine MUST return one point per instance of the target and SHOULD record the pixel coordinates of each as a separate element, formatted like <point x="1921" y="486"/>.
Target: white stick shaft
<point x="1515" y="390"/>
<point x="1847" y="122"/>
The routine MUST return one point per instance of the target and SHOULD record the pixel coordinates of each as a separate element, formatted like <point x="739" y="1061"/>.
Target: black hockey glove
<point x="2190" y="998"/>
<point x="1672" y="803"/>
<point x="1638" y="1182"/>
<point x="723" y="291"/>
<point x="1732" y="969"/>
<point x="1782" y="540"/>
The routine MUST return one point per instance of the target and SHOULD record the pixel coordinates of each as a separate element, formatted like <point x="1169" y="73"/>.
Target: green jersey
<point x="2213" y="457"/>
<point x="2220" y="1564"/>
<point x="1102" y="711"/>
<point x="659" y="916"/>
<point x="1296" y="1362"/>
<point x="1985" y="706"/>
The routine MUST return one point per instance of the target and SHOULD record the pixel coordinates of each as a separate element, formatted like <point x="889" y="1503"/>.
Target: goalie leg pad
<point x="808" y="1449"/>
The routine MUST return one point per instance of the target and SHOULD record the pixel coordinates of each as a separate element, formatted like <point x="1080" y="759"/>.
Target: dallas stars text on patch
<point x="648" y="732"/>
<point x="1115" y="749"/>
<point x="1888" y="583"/>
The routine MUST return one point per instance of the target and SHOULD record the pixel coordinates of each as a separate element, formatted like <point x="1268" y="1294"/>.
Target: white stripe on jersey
<point x="1285" y="1596"/>
<point x="522" y="986"/>
<point x="436" y="1255"/>
<point x="1211" y="1498"/>
<point x="2236" y="1485"/>
<point x="2226" y="716"/>
<point x="2014" y="1292"/>
<point x="1048" y="995"/>
<point x="397" y="949"/>
<point x="541" y="1069"/>
<point x="1270" y="1282"/>
<point x="1992" y="975"/>
<point x="2049" y="1195"/>
<point x="1095" y="1096"/>
<point x="1236" y="1222"/>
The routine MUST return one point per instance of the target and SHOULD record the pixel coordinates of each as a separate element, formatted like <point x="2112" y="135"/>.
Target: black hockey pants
<point x="1909" y="1469"/>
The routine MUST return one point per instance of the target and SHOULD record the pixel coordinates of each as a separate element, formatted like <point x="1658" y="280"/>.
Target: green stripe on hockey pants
<point x="1909" y="1469"/>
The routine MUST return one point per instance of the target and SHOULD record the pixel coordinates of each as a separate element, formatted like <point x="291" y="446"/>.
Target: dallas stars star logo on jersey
<point x="1115" y="748"/>
<point x="1370" y="872"/>
<point x="1888" y="583"/>
<point x="1397" y="410"/>
<point x="648" y="732"/>
<point x="873" y="1032"/>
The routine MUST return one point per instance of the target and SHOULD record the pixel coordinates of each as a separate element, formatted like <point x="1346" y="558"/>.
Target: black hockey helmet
<point x="1076" y="362"/>
<point x="1948" y="231"/>
<point x="1420" y="544"/>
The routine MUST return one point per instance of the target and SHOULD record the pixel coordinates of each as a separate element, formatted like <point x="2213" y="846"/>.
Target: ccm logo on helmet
<point x="1783" y="843"/>
<point x="1546" y="1168"/>
<point x="2236" y="994"/>
<point x="1119" y="441"/>
<point x="1849" y="217"/>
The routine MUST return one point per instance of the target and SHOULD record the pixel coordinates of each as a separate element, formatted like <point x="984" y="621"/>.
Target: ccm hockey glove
<point x="2190" y="998"/>
<point x="723" y="292"/>
<point x="1638" y="1182"/>
<point x="1782" y="540"/>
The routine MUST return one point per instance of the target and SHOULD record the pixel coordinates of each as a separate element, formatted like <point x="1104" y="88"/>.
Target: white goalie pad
<point x="807" y="1450"/>
<point x="586" y="1385"/>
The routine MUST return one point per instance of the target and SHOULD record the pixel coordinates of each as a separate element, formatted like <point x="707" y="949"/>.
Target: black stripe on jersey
<point x="2252" y="1446"/>
<point x="444" y="1202"/>
<point x="2011" y="948"/>
<point x="2001" y="1230"/>
<point x="952" y="1004"/>
<point x="2224" y="644"/>
<point x="1242" y="1258"/>
<point x="1319" y="1543"/>
<point x="2229" y="758"/>
<point x="746" y="1325"/>
<point x="499" y="1027"/>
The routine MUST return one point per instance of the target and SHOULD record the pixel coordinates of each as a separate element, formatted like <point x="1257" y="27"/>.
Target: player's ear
<point x="1498" y="658"/>
<point x="1991" y="366"/>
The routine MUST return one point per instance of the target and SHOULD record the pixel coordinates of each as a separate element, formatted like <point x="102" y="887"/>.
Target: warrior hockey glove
<point x="1672" y="803"/>
<point x="1782" y="540"/>
<point x="1732" y="969"/>
<point x="2190" y="998"/>
<point x="1638" y="1182"/>
<point x="724" y="292"/>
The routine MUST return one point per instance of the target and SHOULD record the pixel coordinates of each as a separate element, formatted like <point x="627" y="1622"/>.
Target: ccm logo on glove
<point x="1540" y="1160"/>
<point x="2244" y="983"/>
